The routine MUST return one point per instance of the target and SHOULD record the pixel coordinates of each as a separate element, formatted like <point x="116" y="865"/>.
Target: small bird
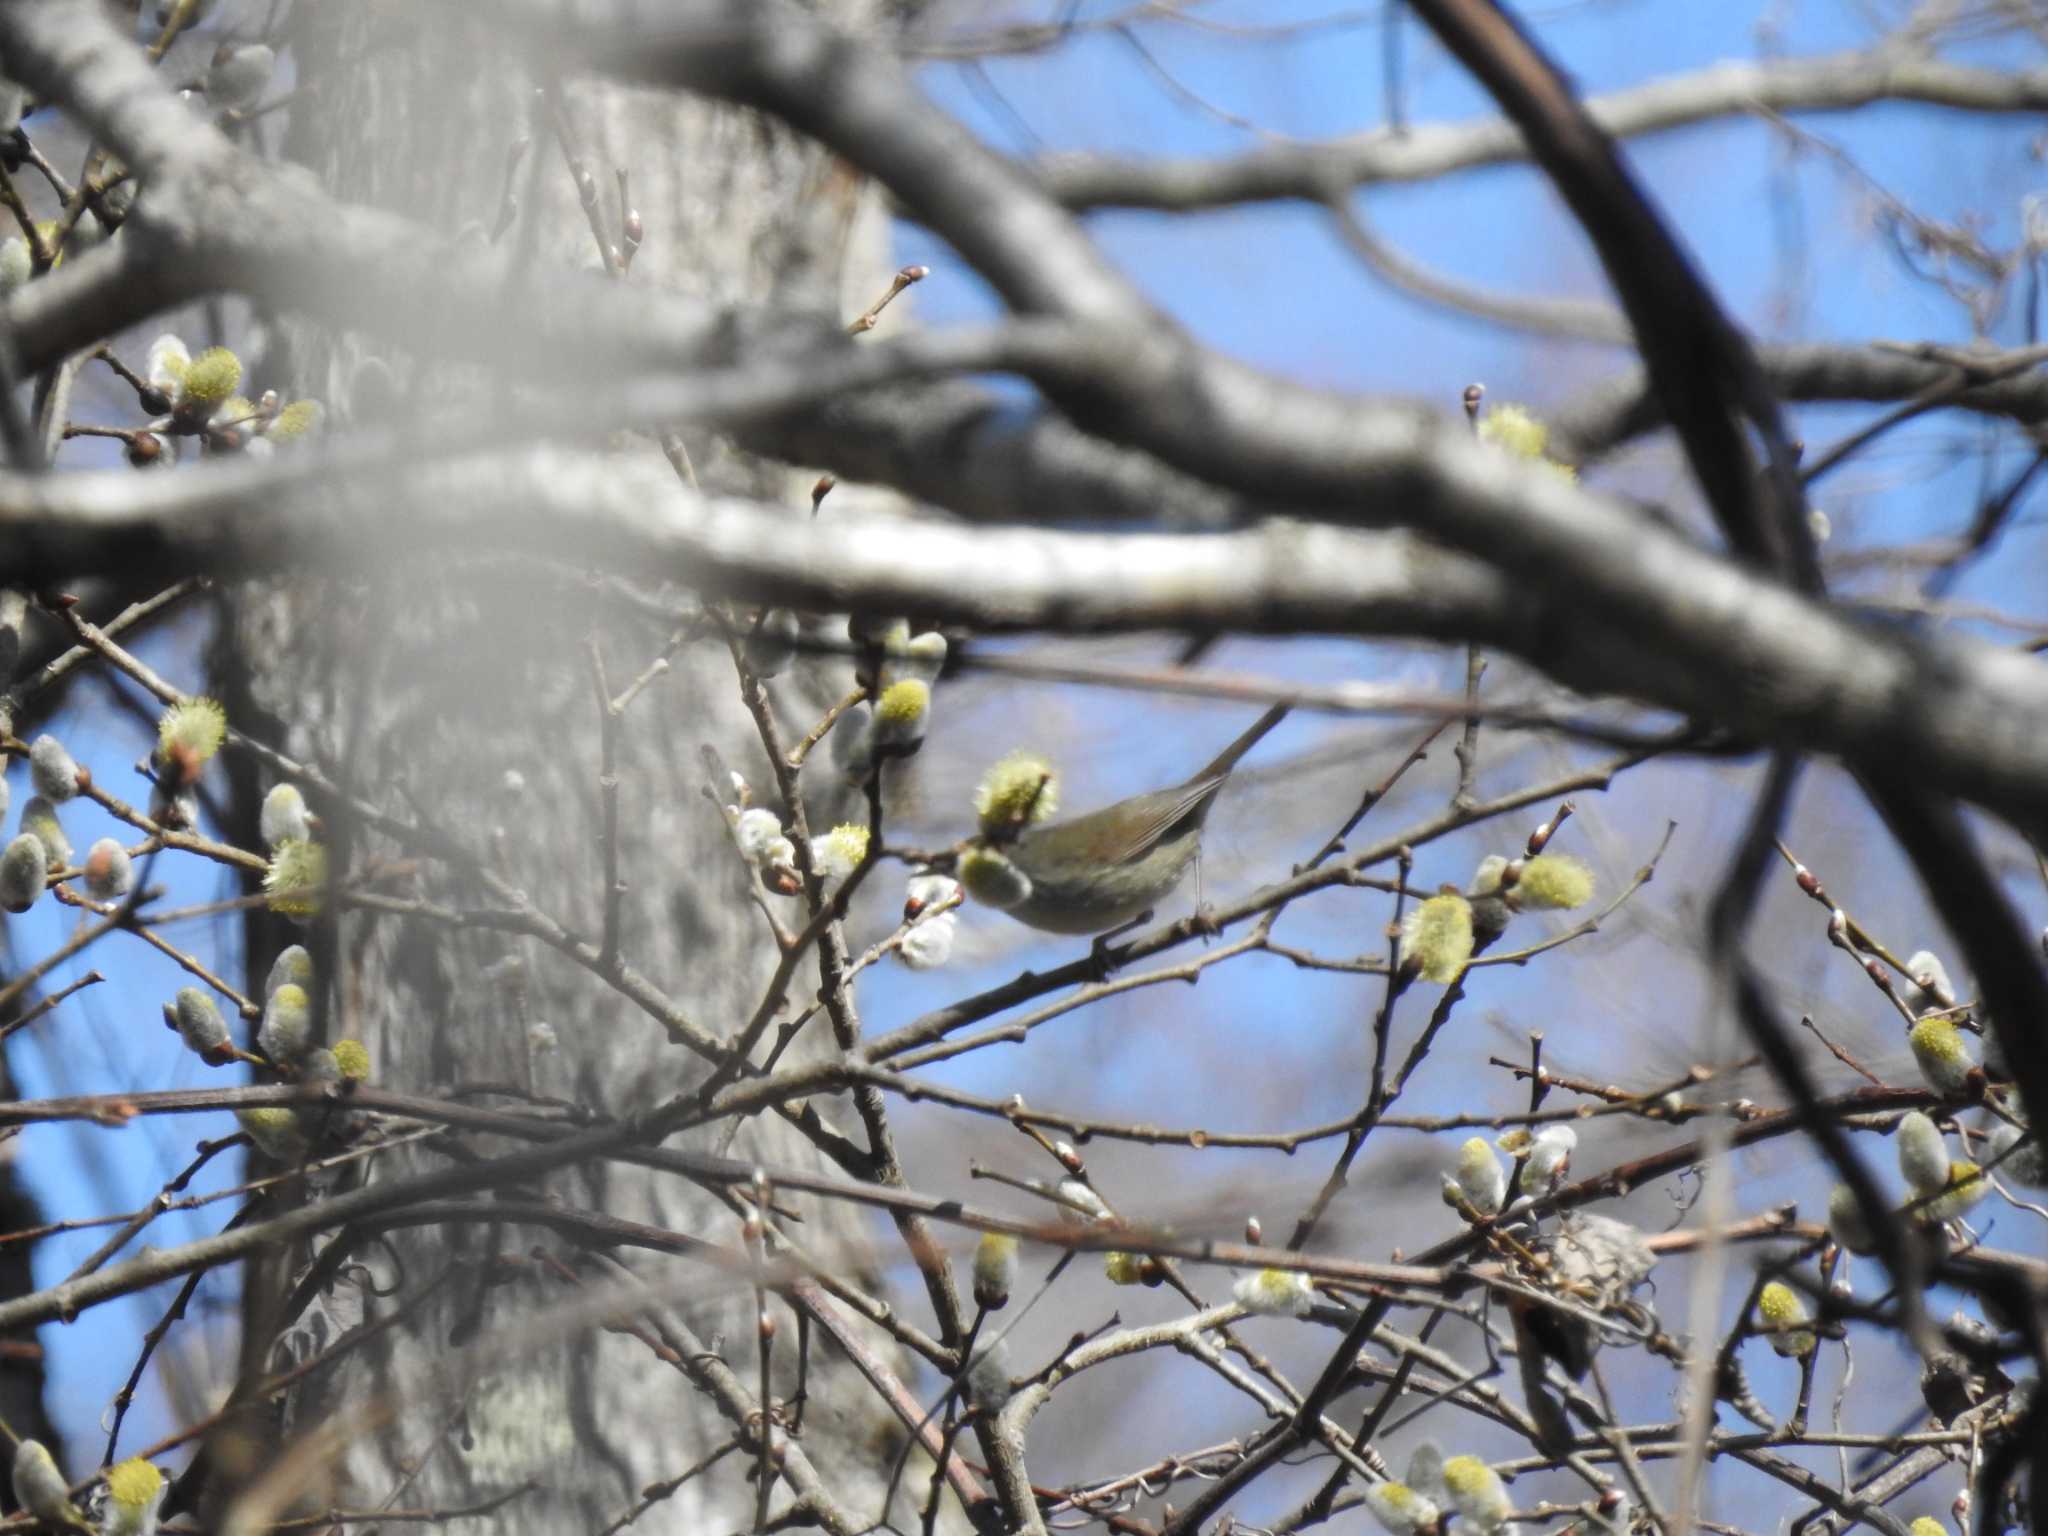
<point x="1105" y="870"/>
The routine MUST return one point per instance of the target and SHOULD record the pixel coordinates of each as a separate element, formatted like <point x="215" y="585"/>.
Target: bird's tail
<point x="1227" y="758"/>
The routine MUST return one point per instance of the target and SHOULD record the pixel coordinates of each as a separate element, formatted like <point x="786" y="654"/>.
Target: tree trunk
<point x="464" y="699"/>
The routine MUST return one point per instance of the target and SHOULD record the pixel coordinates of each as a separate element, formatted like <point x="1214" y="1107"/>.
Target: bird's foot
<point x="1102" y="961"/>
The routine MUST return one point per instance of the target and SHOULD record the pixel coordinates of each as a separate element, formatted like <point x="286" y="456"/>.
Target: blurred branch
<point x="1630" y="609"/>
<point x="1424" y="152"/>
<point x="1565" y="319"/>
<point x="1988" y="382"/>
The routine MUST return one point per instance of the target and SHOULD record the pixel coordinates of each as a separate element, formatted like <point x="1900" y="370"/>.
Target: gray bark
<point x="432" y="694"/>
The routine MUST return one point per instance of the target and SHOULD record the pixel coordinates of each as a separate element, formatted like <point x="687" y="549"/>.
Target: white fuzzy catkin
<point x="40" y="1488"/>
<point x="1943" y="1055"/>
<point x="922" y="657"/>
<point x="134" y="1490"/>
<point x="1477" y="1494"/>
<point x="165" y="363"/>
<point x="198" y="1021"/>
<point x="922" y="892"/>
<point x="1490" y="910"/>
<point x="2027" y="1165"/>
<point x="839" y="852"/>
<point x="1437" y="937"/>
<point x="287" y="1024"/>
<point x="109" y="873"/>
<point x="51" y="769"/>
<point x="929" y="944"/>
<point x="995" y="1269"/>
<point x="1479" y="1177"/>
<point x="1930" y="989"/>
<point x="275" y="1130"/>
<point x="1275" y="1293"/>
<point x="1080" y="1202"/>
<point x="901" y="715"/>
<point x="756" y="832"/>
<point x="1923" y="1154"/>
<point x="1549" y="1157"/>
<point x="284" y="818"/>
<point x="1426" y="1472"/>
<point x="1400" y="1510"/>
<point x="22" y="873"/>
<point x="1780" y="1306"/>
<point x="39" y="820"/>
<point x="294" y="964"/>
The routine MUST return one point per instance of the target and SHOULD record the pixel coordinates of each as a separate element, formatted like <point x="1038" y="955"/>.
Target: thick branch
<point x="1700" y="367"/>
<point x="1607" y="604"/>
<point x="630" y="516"/>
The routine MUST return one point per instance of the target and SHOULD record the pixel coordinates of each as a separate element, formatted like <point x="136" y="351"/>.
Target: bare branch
<point x="1827" y="83"/>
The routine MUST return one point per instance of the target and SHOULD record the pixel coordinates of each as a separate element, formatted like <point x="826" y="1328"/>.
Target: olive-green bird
<point x="1094" y="873"/>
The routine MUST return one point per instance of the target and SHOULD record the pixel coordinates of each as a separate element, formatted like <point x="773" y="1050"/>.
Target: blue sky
<point x="109" y="1037"/>
<point x="1259" y="1043"/>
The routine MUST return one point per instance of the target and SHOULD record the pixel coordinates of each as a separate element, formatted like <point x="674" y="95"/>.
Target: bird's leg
<point x="1204" y="920"/>
<point x="1098" y="953"/>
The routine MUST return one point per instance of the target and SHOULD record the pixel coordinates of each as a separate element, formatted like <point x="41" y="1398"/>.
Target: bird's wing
<point x="1136" y="830"/>
<point x="1170" y="807"/>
